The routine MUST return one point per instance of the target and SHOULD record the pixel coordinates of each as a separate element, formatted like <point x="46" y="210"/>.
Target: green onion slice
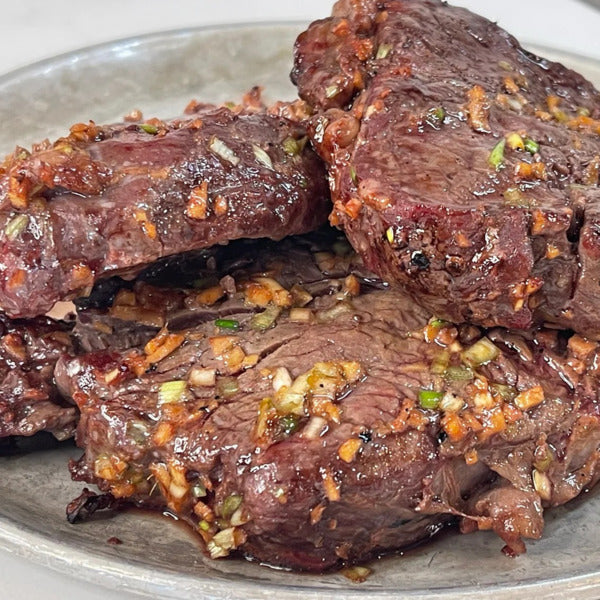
<point x="430" y="400"/>
<point x="262" y="157"/>
<point x="480" y="353"/>
<point x="383" y="51"/>
<point x="230" y="324"/>
<point x="231" y="504"/>
<point x="15" y="227"/>
<point x="459" y="374"/>
<point x="151" y="129"/>
<point x="171" y="391"/>
<point x="266" y="319"/>
<point x="496" y="158"/>
<point x="531" y="146"/>
<point x="291" y="146"/>
<point x="332" y="91"/>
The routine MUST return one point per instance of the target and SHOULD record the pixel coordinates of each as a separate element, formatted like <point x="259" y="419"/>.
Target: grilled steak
<point x="463" y="167"/>
<point x="29" y="401"/>
<point x="334" y="426"/>
<point x="107" y="200"/>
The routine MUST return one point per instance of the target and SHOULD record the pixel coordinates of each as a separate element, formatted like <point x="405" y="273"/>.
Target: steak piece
<point x="324" y="431"/>
<point x="109" y="200"/>
<point x="463" y="167"/>
<point x="29" y="400"/>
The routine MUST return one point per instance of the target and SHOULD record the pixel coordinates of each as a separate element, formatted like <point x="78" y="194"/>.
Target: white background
<point x="34" y="29"/>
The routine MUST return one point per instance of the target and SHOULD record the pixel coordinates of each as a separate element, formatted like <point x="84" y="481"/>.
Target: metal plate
<point x="159" y="74"/>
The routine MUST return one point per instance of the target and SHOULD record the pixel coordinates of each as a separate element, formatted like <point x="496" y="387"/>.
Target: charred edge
<point x="574" y="231"/>
<point x="87" y="503"/>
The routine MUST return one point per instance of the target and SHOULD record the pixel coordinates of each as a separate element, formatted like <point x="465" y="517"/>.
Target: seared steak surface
<point x="463" y="168"/>
<point x="318" y="421"/>
<point x="29" y="400"/>
<point x="109" y="200"/>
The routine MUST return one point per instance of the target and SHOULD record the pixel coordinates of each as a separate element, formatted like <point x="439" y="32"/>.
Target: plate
<point x="159" y="74"/>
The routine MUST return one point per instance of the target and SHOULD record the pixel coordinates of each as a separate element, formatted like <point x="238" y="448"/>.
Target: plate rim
<point x="120" y="43"/>
<point x="111" y="573"/>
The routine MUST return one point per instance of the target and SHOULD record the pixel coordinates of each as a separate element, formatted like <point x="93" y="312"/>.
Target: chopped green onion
<point x="198" y="490"/>
<point x="15" y="227"/>
<point x="514" y="198"/>
<point x="221" y="149"/>
<point x="480" y="353"/>
<point x="204" y="525"/>
<point x="438" y="323"/>
<point x="496" y="158"/>
<point x="291" y="146"/>
<point x="228" y="324"/>
<point x="231" y="504"/>
<point x="331" y="91"/>
<point x="505" y="65"/>
<point x="300" y="296"/>
<point x="459" y="374"/>
<point x="438" y="113"/>
<point x="266" y="319"/>
<point x="383" y="51"/>
<point x="303" y="182"/>
<point x="353" y="175"/>
<point x="289" y="424"/>
<point x="506" y="392"/>
<point x="171" y="391"/>
<point x="583" y="112"/>
<point x="227" y="386"/>
<point x="390" y="235"/>
<point x="151" y="129"/>
<point x="542" y="463"/>
<point x="430" y="400"/>
<point x="262" y="157"/>
<point x="531" y="146"/>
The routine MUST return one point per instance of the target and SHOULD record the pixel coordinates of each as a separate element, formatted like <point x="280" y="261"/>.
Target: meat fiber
<point x="110" y="200"/>
<point x="324" y="421"/>
<point x="463" y="167"/>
